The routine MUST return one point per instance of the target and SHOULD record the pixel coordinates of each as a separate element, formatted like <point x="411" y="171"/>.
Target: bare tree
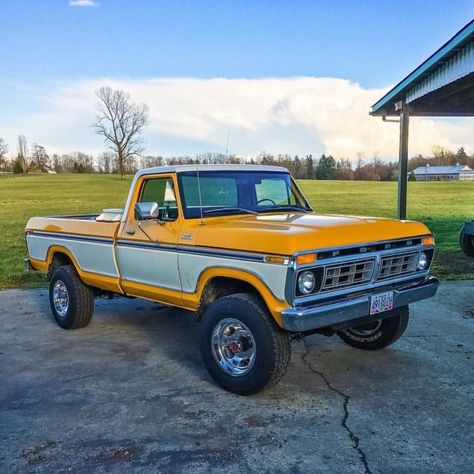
<point x="105" y="161"/>
<point x="22" y="158"/>
<point x="56" y="163"/>
<point x="81" y="162"/>
<point x="120" y="122"/>
<point x="3" y="155"/>
<point x="40" y="158"/>
<point x="150" y="161"/>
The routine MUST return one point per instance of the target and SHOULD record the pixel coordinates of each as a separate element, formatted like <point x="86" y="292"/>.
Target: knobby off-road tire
<point x="379" y="334"/>
<point x="242" y="347"/>
<point x="467" y="243"/>
<point x="72" y="302"/>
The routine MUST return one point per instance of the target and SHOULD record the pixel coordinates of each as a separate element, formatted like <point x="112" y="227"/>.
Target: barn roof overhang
<point x="443" y="85"/>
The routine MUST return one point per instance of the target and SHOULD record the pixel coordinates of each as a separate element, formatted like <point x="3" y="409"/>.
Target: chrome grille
<point x="342" y="275"/>
<point x="395" y="265"/>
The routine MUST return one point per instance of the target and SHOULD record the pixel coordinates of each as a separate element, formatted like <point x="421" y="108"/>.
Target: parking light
<point x="306" y="258"/>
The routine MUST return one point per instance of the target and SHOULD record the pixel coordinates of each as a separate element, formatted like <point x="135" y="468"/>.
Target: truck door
<point x="146" y="249"/>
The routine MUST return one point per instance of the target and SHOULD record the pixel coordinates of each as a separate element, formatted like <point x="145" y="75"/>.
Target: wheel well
<point x="222" y="286"/>
<point x="59" y="259"/>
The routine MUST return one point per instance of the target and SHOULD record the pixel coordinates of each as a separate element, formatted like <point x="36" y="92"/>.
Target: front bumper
<point x="345" y="310"/>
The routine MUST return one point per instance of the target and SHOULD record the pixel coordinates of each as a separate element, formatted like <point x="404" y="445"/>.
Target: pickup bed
<point x="241" y="247"/>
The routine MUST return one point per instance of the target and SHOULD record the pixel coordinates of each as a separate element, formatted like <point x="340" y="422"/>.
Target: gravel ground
<point x="129" y="394"/>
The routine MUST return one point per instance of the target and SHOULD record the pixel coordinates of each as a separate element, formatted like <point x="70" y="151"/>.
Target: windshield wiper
<point x="229" y="209"/>
<point x="286" y="208"/>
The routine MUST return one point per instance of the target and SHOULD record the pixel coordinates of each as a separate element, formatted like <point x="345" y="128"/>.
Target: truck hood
<point x="286" y="233"/>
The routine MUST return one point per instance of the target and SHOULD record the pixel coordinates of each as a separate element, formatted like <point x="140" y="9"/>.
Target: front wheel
<point x="72" y="302"/>
<point x="242" y="347"/>
<point x="377" y="334"/>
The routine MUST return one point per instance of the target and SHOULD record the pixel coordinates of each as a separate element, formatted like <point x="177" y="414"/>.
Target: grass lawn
<point x="442" y="206"/>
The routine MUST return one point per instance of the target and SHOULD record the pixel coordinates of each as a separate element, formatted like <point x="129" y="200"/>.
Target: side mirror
<point x="146" y="210"/>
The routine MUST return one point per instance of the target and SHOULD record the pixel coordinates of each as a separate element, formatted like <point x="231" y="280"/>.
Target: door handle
<point x="131" y="231"/>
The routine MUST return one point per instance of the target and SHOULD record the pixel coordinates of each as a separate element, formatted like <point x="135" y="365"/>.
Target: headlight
<point x="306" y="282"/>
<point x="422" y="261"/>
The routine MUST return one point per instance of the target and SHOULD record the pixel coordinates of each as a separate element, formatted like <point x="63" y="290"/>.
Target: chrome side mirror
<point x="146" y="210"/>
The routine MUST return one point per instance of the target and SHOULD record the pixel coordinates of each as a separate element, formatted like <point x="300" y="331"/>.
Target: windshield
<point x="239" y="192"/>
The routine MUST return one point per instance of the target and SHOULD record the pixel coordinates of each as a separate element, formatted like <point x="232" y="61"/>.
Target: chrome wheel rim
<point x="366" y="330"/>
<point x="60" y="298"/>
<point x="233" y="347"/>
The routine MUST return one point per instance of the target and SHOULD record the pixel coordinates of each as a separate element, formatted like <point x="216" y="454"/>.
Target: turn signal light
<point x="306" y="258"/>
<point x="428" y="240"/>
<point x="274" y="259"/>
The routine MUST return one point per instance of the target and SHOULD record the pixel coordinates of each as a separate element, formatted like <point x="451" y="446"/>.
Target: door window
<point x="160" y="190"/>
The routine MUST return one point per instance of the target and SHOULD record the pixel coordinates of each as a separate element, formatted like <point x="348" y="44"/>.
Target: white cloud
<point x="280" y="115"/>
<point x="83" y="3"/>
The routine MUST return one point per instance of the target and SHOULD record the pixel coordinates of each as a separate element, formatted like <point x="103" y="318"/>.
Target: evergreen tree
<point x="326" y="168"/>
<point x="298" y="168"/>
<point x="18" y="165"/>
<point x="461" y="154"/>
<point x="309" y="167"/>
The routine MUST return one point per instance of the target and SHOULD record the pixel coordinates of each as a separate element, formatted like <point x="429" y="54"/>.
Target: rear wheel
<point x="377" y="334"/>
<point x="467" y="243"/>
<point x="242" y="347"/>
<point x="72" y="302"/>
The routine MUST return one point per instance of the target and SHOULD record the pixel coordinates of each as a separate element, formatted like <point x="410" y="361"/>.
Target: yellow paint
<point x="154" y="293"/>
<point x="73" y="226"/>
<point x="294" y="232"/>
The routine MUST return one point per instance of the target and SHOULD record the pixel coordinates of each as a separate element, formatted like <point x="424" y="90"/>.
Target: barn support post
<point x="403" y="161"/>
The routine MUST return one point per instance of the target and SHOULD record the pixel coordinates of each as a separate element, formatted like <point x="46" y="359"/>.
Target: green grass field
<point x="442" y="206"/>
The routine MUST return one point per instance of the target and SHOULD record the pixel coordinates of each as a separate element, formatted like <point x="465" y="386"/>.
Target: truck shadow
<point x="172" y="336"/>
<point x="131" y="335"/>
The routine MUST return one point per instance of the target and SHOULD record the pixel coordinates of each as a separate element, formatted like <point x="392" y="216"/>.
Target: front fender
<point x="274" y="305"/>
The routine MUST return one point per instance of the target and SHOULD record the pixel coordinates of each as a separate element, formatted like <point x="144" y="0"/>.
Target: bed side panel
<point x="91" y="243"/>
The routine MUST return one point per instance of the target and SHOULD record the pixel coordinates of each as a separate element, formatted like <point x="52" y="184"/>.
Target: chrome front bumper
<point x="345" y="310"/>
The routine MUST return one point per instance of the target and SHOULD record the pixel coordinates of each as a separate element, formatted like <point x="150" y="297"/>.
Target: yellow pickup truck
<point x="242" y="248"/>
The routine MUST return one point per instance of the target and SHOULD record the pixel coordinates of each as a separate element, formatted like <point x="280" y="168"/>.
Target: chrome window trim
<point x="302" y="195"/>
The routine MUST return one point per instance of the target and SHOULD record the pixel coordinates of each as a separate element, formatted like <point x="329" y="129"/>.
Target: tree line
<point x="37" y="160"/>
<point x="121" y="122"/>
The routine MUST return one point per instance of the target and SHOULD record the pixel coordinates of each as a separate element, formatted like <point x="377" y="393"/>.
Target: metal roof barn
<point x="438" y="173"/>
<point x="443" y="85"/>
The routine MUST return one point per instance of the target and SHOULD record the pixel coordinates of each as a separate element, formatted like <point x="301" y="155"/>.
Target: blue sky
<point x="48" y="46"/>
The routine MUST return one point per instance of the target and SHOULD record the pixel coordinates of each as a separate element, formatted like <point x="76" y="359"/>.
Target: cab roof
<point x="184" y="168"/>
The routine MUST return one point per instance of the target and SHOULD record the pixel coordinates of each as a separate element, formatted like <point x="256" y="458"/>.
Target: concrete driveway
<point x="129" y="394"/>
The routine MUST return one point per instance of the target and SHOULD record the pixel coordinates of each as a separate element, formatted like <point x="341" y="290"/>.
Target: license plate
<point x="382" y="302"/>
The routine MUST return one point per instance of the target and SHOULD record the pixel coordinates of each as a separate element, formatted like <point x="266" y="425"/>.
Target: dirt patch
<point x="128" y="349"/>
<point x="256" y="421"/>
<point x="38" y="454"/>
<point x="119" y="454"/>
